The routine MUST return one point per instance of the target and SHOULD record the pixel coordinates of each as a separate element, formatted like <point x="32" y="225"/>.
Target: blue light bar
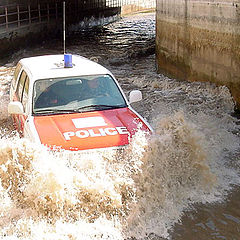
<point x="68" y="60"/>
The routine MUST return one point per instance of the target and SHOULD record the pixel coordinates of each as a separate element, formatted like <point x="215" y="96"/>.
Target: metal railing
<point x="16" y="16"/>
<point x="20" y="15"/>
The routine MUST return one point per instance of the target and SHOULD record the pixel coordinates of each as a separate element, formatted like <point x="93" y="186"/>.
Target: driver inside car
<point x="95" y="88"/>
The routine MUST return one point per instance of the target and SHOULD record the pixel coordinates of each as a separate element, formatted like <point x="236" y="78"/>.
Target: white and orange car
<point x="77" y="105"/>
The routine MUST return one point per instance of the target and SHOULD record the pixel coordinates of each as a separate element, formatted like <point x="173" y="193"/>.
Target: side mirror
<point x="15" y="108"/>
<point x="135" y="96"/>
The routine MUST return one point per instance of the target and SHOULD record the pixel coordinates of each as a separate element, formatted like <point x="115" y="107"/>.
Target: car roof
<point x="52" y="66"/>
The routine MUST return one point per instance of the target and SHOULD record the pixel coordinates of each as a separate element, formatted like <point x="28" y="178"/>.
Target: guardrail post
<point x="48" y="13"/>
<point x="39" y="12"/>
<point x="6" y="15"/>
<point x="56" y="5"/>
<point x="18" y="15"/>
<point x="29" y="14"/>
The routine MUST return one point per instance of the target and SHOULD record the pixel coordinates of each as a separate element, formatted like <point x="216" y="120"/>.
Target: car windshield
<point x="76" y="94"/>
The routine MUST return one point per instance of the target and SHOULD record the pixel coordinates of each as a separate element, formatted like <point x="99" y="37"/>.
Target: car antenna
<point x="67" y="57"/>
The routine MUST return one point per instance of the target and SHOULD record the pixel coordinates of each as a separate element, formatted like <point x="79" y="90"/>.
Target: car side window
<point x="22" y="89"/>
<point x="16" y="73"/>
<point x="25" y="93"/>
<point x="19" y="90"/>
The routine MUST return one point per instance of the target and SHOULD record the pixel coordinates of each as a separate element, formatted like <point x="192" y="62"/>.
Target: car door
<point x="21" y="95"/>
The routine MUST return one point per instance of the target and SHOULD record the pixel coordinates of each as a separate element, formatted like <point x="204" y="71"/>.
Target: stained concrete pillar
<point x="199" y="40"/>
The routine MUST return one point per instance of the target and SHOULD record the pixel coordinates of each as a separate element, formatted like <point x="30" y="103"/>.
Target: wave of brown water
<point x="142" y="191"/>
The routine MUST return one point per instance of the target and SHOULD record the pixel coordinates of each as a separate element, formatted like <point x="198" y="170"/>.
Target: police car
<point x="75" y="104"/>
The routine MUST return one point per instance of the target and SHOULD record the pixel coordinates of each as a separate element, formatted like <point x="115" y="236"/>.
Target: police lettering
<point x="101" y="132"/>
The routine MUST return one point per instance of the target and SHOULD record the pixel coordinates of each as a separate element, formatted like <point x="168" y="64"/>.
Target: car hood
<point x="90" y="130"/>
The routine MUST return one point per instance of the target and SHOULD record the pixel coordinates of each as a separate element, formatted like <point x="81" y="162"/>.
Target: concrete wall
<point x="199" y="40"/>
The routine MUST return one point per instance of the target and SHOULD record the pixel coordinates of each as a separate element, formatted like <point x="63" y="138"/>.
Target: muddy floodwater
<point x="181" y="183"/>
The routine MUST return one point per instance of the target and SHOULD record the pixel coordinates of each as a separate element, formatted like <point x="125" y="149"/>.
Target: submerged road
<point x="182" y="183"/>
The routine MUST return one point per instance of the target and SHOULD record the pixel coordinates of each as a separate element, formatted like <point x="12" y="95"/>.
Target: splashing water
<point x="103" y="194"/>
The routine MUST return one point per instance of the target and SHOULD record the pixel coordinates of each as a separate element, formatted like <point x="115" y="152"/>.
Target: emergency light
<point x="68" y="60"/>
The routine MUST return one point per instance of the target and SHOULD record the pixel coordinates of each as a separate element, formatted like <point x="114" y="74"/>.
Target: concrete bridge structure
<point x="199" y="40"/>
<point x="24" y="21"/>
<point x="196" y="40"/>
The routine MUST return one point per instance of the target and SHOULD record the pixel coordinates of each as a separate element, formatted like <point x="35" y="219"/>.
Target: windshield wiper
<point x="100" y="107"/>
<point x="89" y="107"/>
<point x="55" y="111"/>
